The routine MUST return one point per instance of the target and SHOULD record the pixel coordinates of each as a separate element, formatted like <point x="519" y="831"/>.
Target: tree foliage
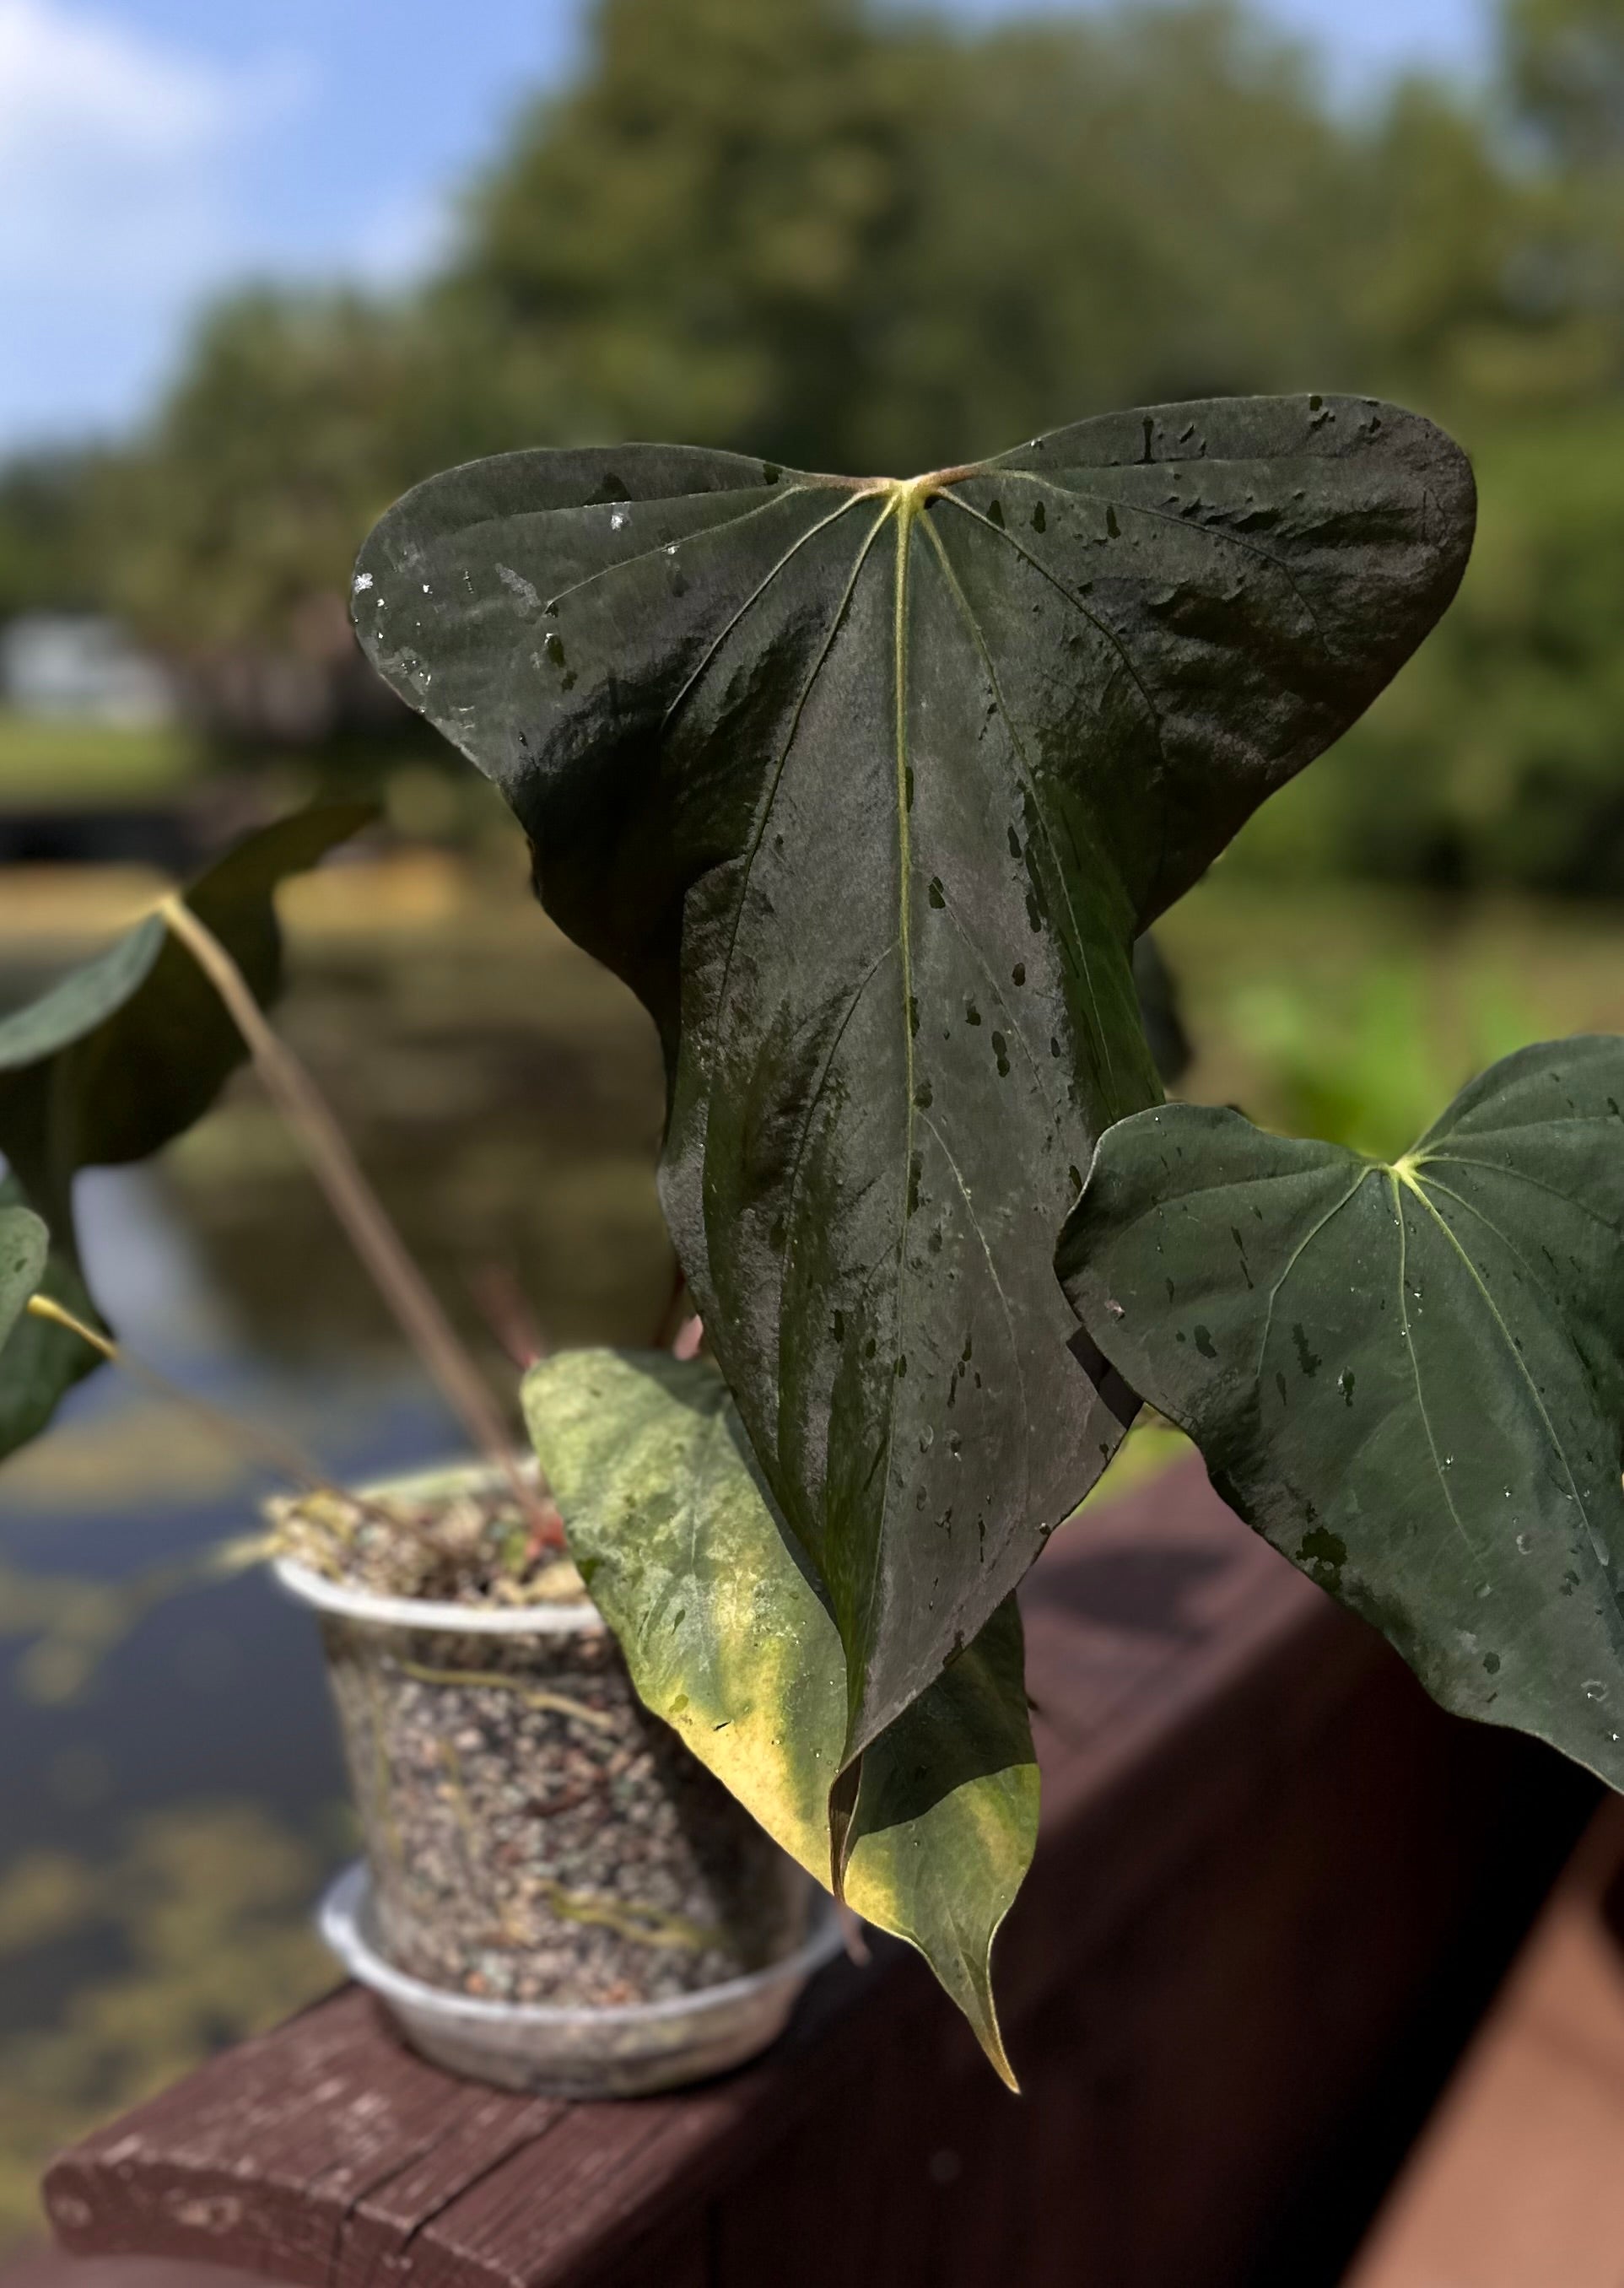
<point x="853" y="241"/>
<point x="853" y="238"/>
<point x="1498" y="755"/>
<point x="47" y="534"/>
<point x="296" y="420"/>
<point x="856" y="236"/>
<point x="1564" y="60"/>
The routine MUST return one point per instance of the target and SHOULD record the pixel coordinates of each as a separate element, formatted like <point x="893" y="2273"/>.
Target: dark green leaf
<point x="24" y="1246"/>
<point x="38" y="1361"/>
<point x="1409" y="1376"/>
<point x="120" y="1056"/>
<point x="128" y="1050"/>
<point x="728" y="1640"/>
<point x="1160" y="1013"/>
<point x="866" y="788"/>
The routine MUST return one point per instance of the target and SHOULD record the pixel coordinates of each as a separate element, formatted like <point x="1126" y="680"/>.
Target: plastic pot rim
<point x="312" y="1588"/>
<point x="309" y="1588"/>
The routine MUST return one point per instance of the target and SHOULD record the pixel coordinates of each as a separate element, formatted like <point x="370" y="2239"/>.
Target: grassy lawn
<point x="44" y="761"/>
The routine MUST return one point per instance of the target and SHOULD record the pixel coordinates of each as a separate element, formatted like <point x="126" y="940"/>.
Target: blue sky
<point x="152" y="149"/>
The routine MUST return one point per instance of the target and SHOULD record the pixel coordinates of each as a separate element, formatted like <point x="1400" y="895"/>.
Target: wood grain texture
<point x="1519" y="2180"/>
<point x="1260" y="1843"/>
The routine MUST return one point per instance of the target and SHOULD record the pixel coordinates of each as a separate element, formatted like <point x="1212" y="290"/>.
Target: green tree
<point x="1498" y="755"/>
<point x="1565" y="72"/>
<point x="1438" y="233"/>
<point x="852" y="237"/>
<point x="46" y="560"/>
<point x="701" y="239"/>
<point x="849" y="238"/>
<point x="1565" y="62"/>
<point x="230" y="530"/>
<point x="1110" y="210"/>
<point x="295" y="418"/>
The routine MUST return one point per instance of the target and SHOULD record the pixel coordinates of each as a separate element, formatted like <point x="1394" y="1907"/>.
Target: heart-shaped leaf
<point x="866" y="788"/>
<point x="1409" y="1376"/>
<point x="120" y="1056"/>
<point x="729" y="1641"/>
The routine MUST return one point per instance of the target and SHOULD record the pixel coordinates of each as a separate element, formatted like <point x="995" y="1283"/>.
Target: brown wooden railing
<point x="1274" y="1883"/>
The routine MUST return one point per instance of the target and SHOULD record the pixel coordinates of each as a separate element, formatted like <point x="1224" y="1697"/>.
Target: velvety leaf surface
<point x="1410" y="1377"/>
<point x="729" y="1641"/>
<point x="866" y="788"/>
<point x="119" y="1057"/>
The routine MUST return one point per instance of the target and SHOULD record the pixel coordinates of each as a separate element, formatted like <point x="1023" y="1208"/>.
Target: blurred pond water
<point x="170" y="1790"/>
<point x="170" y="1787"/>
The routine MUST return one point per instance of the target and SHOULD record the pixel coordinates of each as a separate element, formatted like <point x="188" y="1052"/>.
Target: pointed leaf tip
<point x="728" y="1638"/>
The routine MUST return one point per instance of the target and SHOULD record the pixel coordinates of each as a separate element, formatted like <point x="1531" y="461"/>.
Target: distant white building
<point x="82" y="667"/>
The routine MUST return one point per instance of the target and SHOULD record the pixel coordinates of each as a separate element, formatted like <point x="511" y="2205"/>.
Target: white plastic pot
<point x="557" y="1894"/>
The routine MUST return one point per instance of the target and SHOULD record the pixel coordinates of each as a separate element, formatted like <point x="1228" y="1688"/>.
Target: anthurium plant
<point x="868" y="788"/>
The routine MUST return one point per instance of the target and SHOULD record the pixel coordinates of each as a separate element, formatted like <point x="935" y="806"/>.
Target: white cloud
<point x="399" y="242"/>
<point x="115" y="150"/>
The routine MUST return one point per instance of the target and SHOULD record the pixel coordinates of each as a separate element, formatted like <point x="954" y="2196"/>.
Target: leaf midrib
<point x="907" y="504"/>
<point x="1396" y="1180"/>
<point x="906" y="512"/>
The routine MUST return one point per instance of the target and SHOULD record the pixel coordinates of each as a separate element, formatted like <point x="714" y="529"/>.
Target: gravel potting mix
<point x="535" y="1834"/>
